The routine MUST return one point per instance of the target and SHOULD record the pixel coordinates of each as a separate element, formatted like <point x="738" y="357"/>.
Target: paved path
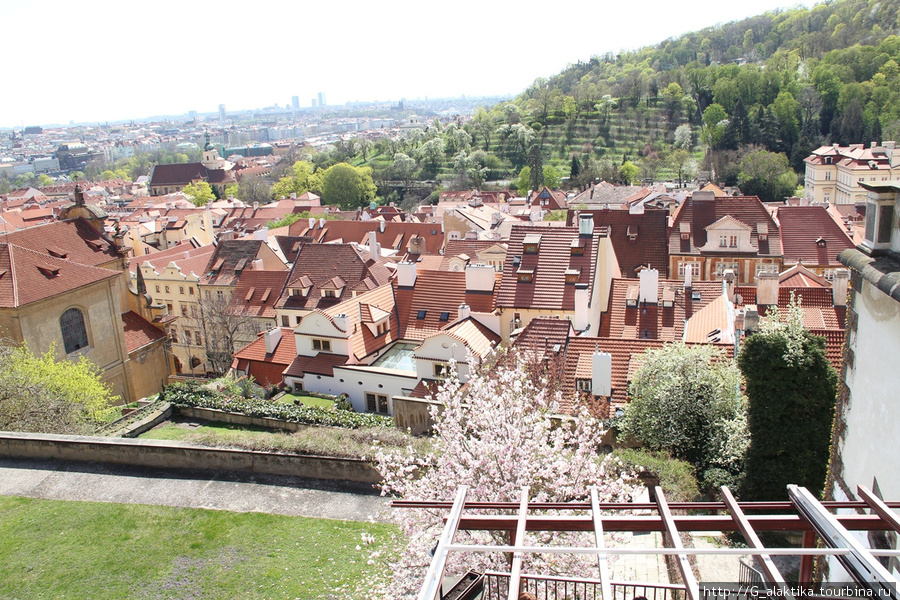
<point x="62" y="480"/>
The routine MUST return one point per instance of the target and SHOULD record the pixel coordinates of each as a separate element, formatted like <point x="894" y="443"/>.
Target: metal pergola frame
<point x="803" y="513"/>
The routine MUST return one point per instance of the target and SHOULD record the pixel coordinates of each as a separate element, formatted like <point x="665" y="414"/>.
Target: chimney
<point x="256" y="264"/>
<point x="751" y="319"/>
<point x="649" y="286"/>
<point x="582" y="301"/>
<point x="767" y="289"/>
<point x="406" y="274"/>
<point x="261" y="234"/>
<point x="312" y="223"/>
<point x="839" y="287"/>
<point x="255" y="206"/>
<point x="463" y="311"/>
<point x="374" y="247"/>
<point x="585" y="225"/>
<point x="321" y="222"/>
<point x="381" y="227"/>
<point x="688" y="275"/>
<point x="480" y="278"/>
<point x="601" y="369"/>
<point x="340" y="321"/>
<point x="272" y="337"/>
<point x="293" y="195"/>
<point x="728" y="284"/>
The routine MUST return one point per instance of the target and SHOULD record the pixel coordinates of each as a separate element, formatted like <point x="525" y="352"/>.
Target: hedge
<point x="197" y="397"/>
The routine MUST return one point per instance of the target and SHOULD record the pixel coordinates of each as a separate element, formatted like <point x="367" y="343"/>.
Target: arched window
<point x="73" y="331"/>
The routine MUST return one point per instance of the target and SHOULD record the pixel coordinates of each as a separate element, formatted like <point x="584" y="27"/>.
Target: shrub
<point x="204" y="398"/>
<point x="676" y="477"/>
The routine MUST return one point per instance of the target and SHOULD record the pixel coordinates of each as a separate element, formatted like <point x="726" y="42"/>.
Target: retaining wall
<point x="176" y="455"/>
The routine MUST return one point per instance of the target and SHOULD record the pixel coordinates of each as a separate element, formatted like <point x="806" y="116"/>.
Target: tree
<point x="629" y="172"/>
<point x="523" y="183"/>
<point x="496" y="436"/>
<point x="298" y="181"/>
<point x="347" y="186"/>
<point x="552" y="178"/>
<point x="767" y="175"/>
<point x="199" y="193"/>
<point x="683" y="137"/>
<point x="44" y="180"/>
<point x="686" y="400"/>
<point x="680" y="162"/>
<point x="791" y="388"/>
<point x="41" y="394"/>
<point x="432" y="153"/>
<point x="536" y="162"/>
<point x="224" y="330"/>
<point x="254" y="189"/>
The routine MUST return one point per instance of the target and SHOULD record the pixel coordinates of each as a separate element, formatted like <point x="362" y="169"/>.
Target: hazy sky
<point x="97" y="60"/>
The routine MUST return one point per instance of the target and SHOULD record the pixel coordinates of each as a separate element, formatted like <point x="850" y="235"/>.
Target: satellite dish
<point x="738" y="299"/>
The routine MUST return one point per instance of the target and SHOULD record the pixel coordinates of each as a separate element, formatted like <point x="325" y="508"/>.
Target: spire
<point x="79" y="195"/>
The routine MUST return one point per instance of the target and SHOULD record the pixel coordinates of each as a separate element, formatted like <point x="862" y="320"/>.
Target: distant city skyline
<point x="197" y="56"/>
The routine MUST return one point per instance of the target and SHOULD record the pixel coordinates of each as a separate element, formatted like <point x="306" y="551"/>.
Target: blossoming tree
<point x="496" y="434"/>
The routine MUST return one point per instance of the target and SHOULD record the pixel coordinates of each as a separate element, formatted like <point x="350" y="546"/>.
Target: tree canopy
<point x="200" y="193"/>
<point x="40" y="394"/>
<point x="347" y="186"/>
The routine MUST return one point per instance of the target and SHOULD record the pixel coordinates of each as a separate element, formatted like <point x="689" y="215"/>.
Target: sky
<point x="97" y="61"/>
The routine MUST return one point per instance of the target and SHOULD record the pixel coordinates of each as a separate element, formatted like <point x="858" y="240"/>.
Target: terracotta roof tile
<point x="395" y="235"/>
<point x="257" y="292"/>
<point x="701" y="213"/>
<point x="434" y="300"/>
<point x="809" y="234"/>
<point x="362" y="340"/>
<point x="82" y="243"/>
<point x="638" y="239"/>
<point x="321" y="364"/>
<point x="139" y="332"/>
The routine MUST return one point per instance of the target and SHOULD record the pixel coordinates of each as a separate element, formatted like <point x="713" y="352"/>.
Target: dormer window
<point x="577" y="247"/>
<point x="531" y="243"/>
<point x="821" y="242"/>
<point x="382" y="328"/>
<point x="632" y="295"/>
<point x="572" y="275"/>
<point x="421" y="314"/>
<point x="445" y="316"/>
<point x="525" y="275"/>
<point x="685" y="231"/>
<point x="632" y="232"/>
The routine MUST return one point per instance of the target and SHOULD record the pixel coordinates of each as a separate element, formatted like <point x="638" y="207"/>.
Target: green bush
<point x="181" y="395"/>
<point x="676" y="477"/>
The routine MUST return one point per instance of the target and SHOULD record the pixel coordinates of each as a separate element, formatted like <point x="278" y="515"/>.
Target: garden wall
<point x="176" y="455"/>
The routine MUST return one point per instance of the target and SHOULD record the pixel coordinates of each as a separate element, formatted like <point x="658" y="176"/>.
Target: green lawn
<point x="56" y="549"/>
<point x="307" y="400"/>
<point x="321" y="441"/>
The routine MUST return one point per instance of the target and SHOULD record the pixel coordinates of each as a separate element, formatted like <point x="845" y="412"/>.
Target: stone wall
<point x="413" y="414"/>
<point x="175" y="455"/>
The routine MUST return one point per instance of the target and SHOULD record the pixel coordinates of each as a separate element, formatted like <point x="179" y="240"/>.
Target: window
<point x="184" y="311"/>
<point x="285" y="321"/>
<point x="421" y="314"/>
<point x="829" y="274"/>
<point x="321" y="345"/>
<point x="445" y="316"/>
<point x="329" y="294"/>
<point x="724" y="266"/>
<point x="376" y="403"/>
<point x="157" y="289"/>
<point x="723" y="241"/>
<point x="197" y="337"/>
<point x="170" y="309"/>
<point x="732" y="241"/>
<point x="298" y="320"/>
<point x="827" y="176"/>
<point x="693" y="266"/>
<point x="766" y="268"/>
<point x="220" y="295"/>
<point x="181" y="290"/>
<point x="441" y="370"/>
<point x="167" y="289"/>
<point x="174" y="335"/>
<point x="583" y="385"/>
<point x="382" y="328"/>
<point x="190" y="291"/>
<point x="74" y="332"/>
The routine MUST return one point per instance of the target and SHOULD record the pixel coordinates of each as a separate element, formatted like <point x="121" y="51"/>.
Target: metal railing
<point x="748" y="574"/>
<point x="548" y="587"/>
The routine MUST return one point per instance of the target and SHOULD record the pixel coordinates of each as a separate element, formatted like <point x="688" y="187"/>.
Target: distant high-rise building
<point x="222" y="115"/>
<point x="321" y="98"/>
<point x="192" y="115"/>
<point x="314" y="103"/>
<point x="295" y="102"/>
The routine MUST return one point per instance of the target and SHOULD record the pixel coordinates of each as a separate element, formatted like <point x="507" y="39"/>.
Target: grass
<point x="56" y="549"/>
<point x="307" y="400"/>
<point x="320" y="441"/>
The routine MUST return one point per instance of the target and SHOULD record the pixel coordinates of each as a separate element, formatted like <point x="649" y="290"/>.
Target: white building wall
<point x="356" y="381"/>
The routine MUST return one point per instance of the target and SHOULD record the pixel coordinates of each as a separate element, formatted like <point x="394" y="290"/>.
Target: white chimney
<point x="406" y="274"/>
<point x="585" y="225"/>
<point x="767" y="289"/>
<point x="256" y="264"/>
<point x="293" y="195"/>
<point x="261" y="234"/>
<point x="256" y="206"/>
<point x="321" y="222"/>
<point x="340" y="321"/>
<point x="480" y="278"/>
<point x="272" y="337"/>
<point x="582" y="302"/>
<point x="688" y="274"/>
<point x="380" y="226"/>
<point x="463" y="311"/>
<point x="728" y="284"/>
<point x="312" y="223"/>
<point x="649" y="286"/>
<point x="374" y="247"/>
<point x="601" y="364"/>
<point x="839" y="287"/>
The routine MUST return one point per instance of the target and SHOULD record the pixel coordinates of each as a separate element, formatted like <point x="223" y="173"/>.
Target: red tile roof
<point x="320" y="364"/>
<point x="548" y="289"/>
<point x="700" y="213"/>
<point x="435" y="293"/>
<point x="267" y="368"/>
<point x="27" y="276"/>
<point x="80" y="242"/>
<point x="809" y="234"/>
<point x="396" y="235"/>
<point x="638" y="239"/>
<point x="139" y="332"/>
<point x="320" y="264"/>
<point x="178" y="174"/>
<point x="257" y="292"/>
<point x="654" y="320"/>
<point x="363" y="341"/>
<point x="229" y="260"/>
